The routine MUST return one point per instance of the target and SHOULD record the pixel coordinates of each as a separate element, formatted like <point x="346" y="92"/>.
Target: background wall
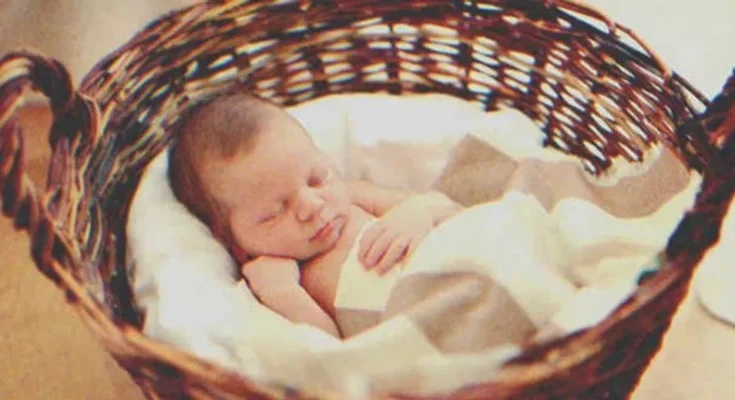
<point x="77" y="32"/>
<point x="56" y="357"/>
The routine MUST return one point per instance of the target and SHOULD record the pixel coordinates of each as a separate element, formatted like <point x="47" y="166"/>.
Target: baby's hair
<point x="215" y="130"/>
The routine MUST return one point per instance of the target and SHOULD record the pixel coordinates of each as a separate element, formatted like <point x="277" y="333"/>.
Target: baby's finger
<point x="410" y="249"/>
<point x="414" y="243"/>
<point x="379" y="248"/>
<point x="393" y="255"/>
<point x="368" y="239"/>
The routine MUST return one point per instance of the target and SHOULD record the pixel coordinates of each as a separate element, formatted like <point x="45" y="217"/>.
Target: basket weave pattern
<point x="594" y="87"/>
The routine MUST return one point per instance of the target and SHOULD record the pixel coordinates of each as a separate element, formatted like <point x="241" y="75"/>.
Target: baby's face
<point x="286" y="198"/>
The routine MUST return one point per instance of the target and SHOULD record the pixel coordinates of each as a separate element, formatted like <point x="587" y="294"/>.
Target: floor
<point x="54" y="356"/>
<point x="47" y="352"/>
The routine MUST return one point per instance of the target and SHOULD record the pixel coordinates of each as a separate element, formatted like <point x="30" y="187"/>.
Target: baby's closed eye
<point x="272" y="215"/>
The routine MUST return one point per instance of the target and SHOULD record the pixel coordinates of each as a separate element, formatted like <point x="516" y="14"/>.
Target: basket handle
<point x="722" y="109"/>
<point x="20" y="73"/>
<point x="713" y="131"/>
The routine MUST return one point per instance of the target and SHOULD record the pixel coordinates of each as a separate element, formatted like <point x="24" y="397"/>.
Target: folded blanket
<point x="476" y="281"/>
<point x="606" y="226"/>
<point x="541" y="243"/>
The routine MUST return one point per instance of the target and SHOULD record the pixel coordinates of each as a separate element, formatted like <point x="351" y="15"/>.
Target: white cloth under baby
<point x="252" y="340"/>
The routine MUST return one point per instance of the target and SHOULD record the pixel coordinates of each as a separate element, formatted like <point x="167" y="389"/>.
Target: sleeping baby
<point x="252" y="174"/>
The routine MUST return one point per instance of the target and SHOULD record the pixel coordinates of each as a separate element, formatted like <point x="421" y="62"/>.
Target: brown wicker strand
<point x="595" y="87"/>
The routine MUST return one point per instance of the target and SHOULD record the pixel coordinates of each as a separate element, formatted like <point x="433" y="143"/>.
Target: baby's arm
<point x="378" y="200"/>
<point x="275" y="282"/>
<point x="375" y="199"/>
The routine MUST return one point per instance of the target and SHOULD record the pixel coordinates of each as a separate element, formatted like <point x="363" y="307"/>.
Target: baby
<point x="250" y="172"/>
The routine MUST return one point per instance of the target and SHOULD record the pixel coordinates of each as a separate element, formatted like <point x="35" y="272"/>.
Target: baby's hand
<point x="397" y="234"/>
<point x="268" y="271"/>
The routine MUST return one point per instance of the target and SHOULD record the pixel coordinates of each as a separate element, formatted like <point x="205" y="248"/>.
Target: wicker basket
<point x="564" y="64"/>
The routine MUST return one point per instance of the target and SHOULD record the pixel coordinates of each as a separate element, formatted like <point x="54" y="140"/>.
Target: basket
<point x="564" y="64"/>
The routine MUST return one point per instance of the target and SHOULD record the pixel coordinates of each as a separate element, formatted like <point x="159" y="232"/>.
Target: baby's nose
<point x="310" y="205"/>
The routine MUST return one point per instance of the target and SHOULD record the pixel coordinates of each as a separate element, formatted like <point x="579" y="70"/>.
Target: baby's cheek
<point x="340" y="196"/>
<point x="256" y="242"/>
<point x="340" y="204"/>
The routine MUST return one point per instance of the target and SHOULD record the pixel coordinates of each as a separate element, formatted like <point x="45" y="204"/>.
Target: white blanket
<point x="183" y="278"/>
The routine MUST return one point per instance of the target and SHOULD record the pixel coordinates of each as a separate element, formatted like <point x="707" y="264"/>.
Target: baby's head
<point x="250" y="172"/>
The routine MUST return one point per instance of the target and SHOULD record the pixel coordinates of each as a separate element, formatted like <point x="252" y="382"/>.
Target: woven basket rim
<point x="90" y="111"/>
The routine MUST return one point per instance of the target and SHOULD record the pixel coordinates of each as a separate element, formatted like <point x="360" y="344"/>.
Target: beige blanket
<point x="543" y="243"/>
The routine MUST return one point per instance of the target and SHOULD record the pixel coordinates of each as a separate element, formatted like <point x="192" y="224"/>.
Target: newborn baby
<point x="250" y="172"/>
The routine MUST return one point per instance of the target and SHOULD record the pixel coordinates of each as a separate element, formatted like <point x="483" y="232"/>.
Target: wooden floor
<point x="47" y="353"/>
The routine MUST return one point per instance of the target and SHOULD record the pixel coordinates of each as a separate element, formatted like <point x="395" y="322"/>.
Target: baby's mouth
<point x="326" y="230"/>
